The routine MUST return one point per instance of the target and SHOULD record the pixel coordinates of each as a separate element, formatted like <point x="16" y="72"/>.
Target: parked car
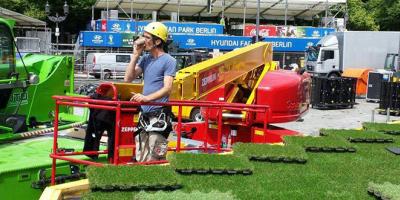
<point x="107" y="65"/>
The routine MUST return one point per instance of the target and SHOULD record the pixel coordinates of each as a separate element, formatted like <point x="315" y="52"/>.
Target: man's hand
<point x="138" y="46"/>
<point x="139" y="98"/>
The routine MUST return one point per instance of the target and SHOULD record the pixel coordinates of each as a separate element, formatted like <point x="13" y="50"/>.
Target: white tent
<point x="269" y="9"/>
<point x="20" y="19"/>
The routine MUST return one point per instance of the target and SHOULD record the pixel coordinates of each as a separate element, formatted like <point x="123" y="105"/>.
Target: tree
<point x="360" y="18"/>
<point x="79" y="12"/>
<point x="388" y="14"/>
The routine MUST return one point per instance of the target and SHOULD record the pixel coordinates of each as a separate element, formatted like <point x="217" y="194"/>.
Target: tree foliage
<point x="374" y="15"/>
<point x="363" y="14"/>
<point x="361" y="18"/>
<point x="79" y="12"/>
<point x="388" y="14"/>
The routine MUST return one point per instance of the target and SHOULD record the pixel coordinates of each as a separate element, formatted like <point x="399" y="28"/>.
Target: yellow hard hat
<point x="157" y="29"/>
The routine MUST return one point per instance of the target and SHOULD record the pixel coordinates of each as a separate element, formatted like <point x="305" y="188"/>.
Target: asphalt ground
<point x="314" y="119"/>
<point x="349" y="118"/>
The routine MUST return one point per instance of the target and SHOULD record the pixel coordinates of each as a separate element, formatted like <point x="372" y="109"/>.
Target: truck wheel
<point x="333" y="75"/>
<point x="196" y="116"/>
<point x="97" y="76"/>
<point x="107" y="74"/>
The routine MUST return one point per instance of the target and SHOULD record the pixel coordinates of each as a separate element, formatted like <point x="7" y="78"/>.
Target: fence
<point x="28" y="44"/>
<point x="125" y="112"/>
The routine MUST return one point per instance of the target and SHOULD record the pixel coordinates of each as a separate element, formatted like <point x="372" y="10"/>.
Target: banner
<point x="317" y="32"/>
<point x="187" y="41"/>
<point x="281" y="31"/>
<point x="98" y="25"/>
<point x="127" y="39"/>
<point x="173" y="27"/>
<point x="291" y="44"/>
<point x="120" y="26"/>
<point x="264" y="30"/>
<point x="221" y="42"/>
<point x="188" y="28"/>
<point x="300" y="31"/>
<point x="100" y="39"/>
<point x="103" y="23"/>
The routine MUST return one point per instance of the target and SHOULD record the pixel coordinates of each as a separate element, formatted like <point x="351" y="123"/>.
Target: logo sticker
<point x="190" y="42"/>
<point x="116" y="27"/>
<point x="97" y="39"/>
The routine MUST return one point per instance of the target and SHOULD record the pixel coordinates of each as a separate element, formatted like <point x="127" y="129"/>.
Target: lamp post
<point x="57" y="19"/>
<point x="257" y="20"/>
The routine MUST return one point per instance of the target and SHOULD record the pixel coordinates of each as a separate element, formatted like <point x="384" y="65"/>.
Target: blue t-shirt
<point x="154" y="70"/>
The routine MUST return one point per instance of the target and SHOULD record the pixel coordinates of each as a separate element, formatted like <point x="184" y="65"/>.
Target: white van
<point x="107" y="64"/>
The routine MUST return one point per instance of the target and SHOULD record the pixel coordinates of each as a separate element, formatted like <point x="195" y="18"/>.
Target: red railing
<point x="128" y="106"/>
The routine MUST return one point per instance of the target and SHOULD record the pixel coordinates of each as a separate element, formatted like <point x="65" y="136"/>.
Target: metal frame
<point x="128" y="106"/>
<point x="271" y="9"/>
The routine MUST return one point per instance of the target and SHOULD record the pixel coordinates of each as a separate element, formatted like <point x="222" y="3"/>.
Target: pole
<point x="373" y="116"/>
<point x="223" y="8"/>
<point x="107" y="10"/>
<point x="57" y="33"/>
<point x="92" y="12"/>
<point x="346" y="17"/>
<point x="57" y="19"/>
<point x="326" y="13"/>
<point x="286" y="29"/>
<point x="244" y="15"/>
<point x="286" y="10"/>
<point x="56" y="36"/>
<point x="92" y="22"/>
<point x="131" y="10"/>
<point x="258" y="20"/>
<point x="179" y="8"/>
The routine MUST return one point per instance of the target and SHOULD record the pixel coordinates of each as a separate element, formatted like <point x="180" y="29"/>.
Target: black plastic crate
<point x="390" y="96"/>
<point x="331" y="93"/>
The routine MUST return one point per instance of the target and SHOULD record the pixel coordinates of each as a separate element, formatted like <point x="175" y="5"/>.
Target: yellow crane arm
<point x="199" y="80"/>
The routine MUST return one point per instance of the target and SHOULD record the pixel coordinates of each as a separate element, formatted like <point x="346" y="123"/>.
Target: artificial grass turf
<point x="325" y="176"/>
<point x="109" y="195"/>
<point x="182" y="195"/>
<point x="271" y="153"/>
<point x="189" y="163"/>
<point x="393" y="129"/>
<point x="358" y="136"/>
<point x="386" y="190"/>
<point x="332" y="143"/>
<point x="158" y="195"/>
<point x="132" y="178"/>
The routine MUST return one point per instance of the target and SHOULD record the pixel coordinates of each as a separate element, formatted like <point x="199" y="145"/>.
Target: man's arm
<point x="166" y="90"/>
<point x="132" y="70"/>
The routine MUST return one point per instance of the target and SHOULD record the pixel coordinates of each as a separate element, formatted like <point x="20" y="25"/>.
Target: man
<point x="158" y="69"/>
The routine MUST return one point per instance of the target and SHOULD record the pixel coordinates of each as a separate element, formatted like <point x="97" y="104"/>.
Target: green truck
<point x="26" y="115"/>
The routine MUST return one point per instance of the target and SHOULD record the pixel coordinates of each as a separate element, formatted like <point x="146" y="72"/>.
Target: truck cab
<point x="391" y="62"/>
<point x="323" y="59"/>
<point x="7" y="58"/>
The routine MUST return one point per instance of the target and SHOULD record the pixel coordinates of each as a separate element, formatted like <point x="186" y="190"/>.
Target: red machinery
<point x="240" y="95"/>
<point x="126" y="113"/>
<point x="277" y="89"/>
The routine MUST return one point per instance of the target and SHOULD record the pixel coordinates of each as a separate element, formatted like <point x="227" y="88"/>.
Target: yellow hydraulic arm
<point x="242" y="66"/>
<point x="197" y="81"/>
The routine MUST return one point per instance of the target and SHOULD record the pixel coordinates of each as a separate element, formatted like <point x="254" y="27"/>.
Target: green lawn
<point x="324" y="176"/>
